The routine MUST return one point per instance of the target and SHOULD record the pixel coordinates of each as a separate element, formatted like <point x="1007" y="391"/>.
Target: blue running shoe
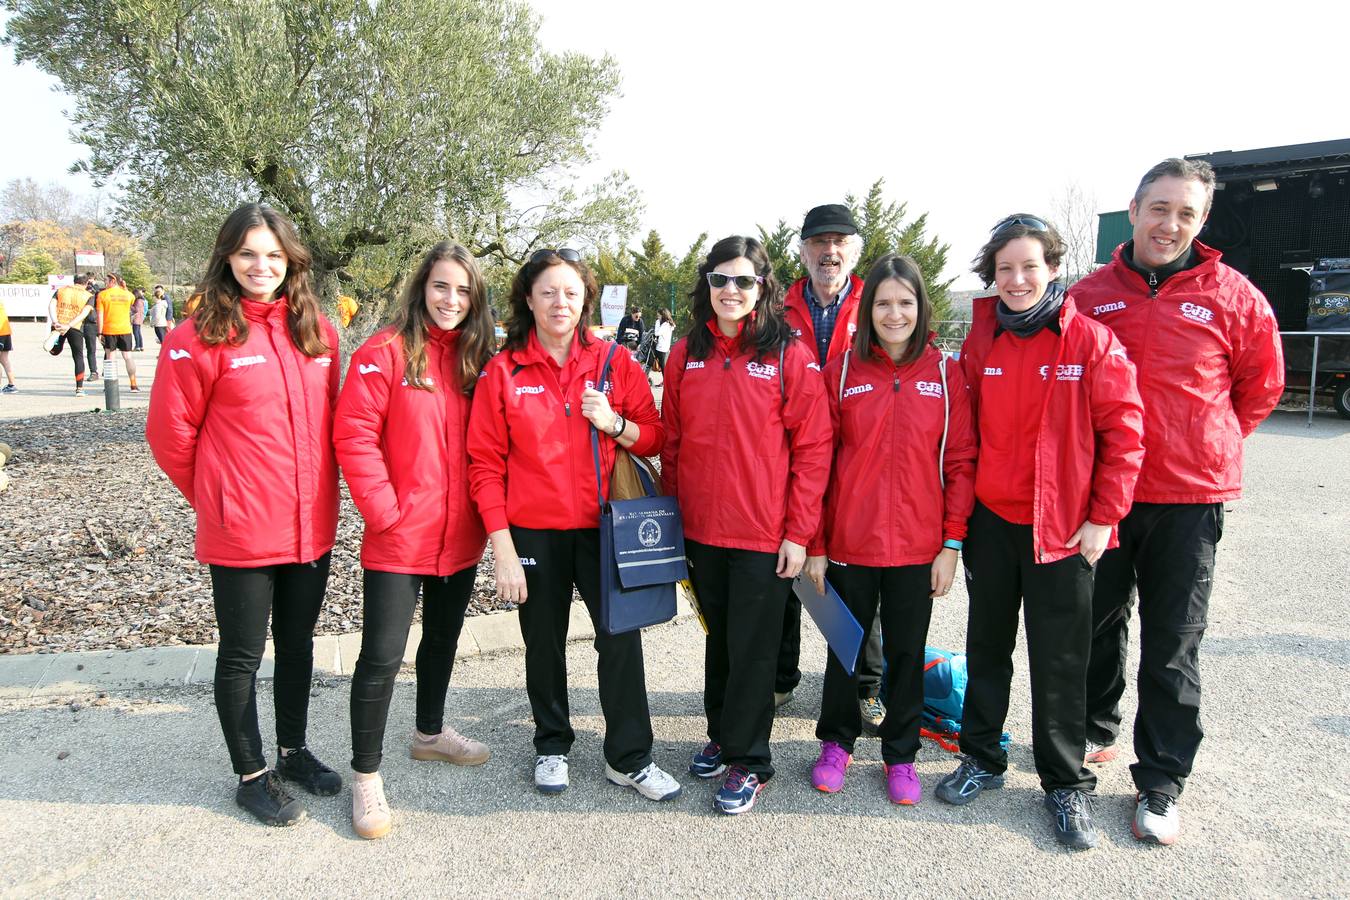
<point x="738" y="792"/>
<point x="707" y="763"/>
<point x="966" y="783"/>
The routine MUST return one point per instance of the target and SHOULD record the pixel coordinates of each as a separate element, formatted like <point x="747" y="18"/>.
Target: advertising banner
<point x="613" y="302"/>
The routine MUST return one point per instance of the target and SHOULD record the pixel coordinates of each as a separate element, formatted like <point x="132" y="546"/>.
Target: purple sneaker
<point x="828" y="774"/>
<point x="902" y="784"/>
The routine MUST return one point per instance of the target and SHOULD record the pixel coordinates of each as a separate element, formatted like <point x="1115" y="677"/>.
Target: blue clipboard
<point x="842" y="631"/>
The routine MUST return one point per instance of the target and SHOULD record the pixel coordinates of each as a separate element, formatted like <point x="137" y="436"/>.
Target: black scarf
<point x="1026" y="323"/>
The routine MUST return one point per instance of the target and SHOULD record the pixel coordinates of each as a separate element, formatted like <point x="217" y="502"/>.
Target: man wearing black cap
<point x="822" y="309"/>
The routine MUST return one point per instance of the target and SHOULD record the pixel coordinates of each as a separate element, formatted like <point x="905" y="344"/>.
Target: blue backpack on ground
<point x="944" y="697"/>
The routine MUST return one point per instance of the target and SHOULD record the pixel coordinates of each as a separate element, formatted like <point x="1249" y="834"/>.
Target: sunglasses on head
<point x="566" y="253"/>
<point x="742" y="282"/>
<point x="1031" y="222"/>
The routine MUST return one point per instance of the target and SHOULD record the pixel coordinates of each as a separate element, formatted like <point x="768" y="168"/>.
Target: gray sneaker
<point x="873" y="714"/>
<point x="1156" y="818"/>
<point x="966" y="783"/>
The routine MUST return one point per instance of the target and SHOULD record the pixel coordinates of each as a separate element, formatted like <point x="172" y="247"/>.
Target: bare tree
<point x="1075" y="214"/>
<point x="25" y="200"/>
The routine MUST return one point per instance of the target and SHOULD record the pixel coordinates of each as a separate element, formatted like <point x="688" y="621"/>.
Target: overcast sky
<point x="737" y="114"/>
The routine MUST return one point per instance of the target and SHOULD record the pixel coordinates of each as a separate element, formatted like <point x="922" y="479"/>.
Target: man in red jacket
<point x="1210" y="370"/>
<point x="822" y="311"/>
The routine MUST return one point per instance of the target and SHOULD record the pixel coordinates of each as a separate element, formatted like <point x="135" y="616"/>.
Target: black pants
<point x="742" y="601"/>
<point x="1056" y="597"/>
<point x="788" y="673"/>
<point x="136" y="337"/>
<point x="388" y="603"/>
<point x="553" y="562"/>
<point x="905" y="608"/>
<point x="75" y="338"/>
<point x="91" y="343"/>
<point x="290" y="595"/>
<point x="1167" y="551"/>
<point x="160" y="331"/>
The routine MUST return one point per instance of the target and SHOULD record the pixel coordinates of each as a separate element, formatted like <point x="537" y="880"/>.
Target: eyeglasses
<point x="742" y="282"/>
<point x="1031" y="222"/>
<point x="566" y="253"/>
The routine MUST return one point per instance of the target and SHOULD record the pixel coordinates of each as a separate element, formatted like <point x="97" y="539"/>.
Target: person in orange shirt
<point x="6" y="345"/>
<point x="70" y="306"/>
<point x="347" y="307"/>
<point x="114" y="324"/>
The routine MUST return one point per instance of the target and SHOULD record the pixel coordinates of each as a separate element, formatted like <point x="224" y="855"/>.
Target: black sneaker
<point x="1072" y="812"/>
<point x="266" y="798"/>
<point x="966" y="783"/>
<point x="304" y="769"/>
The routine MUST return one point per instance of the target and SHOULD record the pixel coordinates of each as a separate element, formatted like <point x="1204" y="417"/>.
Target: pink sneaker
<point x="902" y="784"/>
<point x="828" y="774"/>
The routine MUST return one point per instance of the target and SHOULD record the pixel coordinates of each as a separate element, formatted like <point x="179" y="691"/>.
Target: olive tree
<point x="376" y="125"/>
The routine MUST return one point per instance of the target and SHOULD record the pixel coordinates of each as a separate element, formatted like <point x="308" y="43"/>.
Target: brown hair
<point x="521" y="321"/>
<point x="411" y="322"/>
<point x="907" y="272"/>
<point x="766" y="330"/>
<point x="1009" y="229"/>
<point x="220" y="317"/>
<point x="1186" y="170"/>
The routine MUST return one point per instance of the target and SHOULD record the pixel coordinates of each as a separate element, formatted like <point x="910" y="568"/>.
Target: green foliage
<point x="781" y="246"/>
<point x="32" y="267"/>
<point x="884" y="230"/>
<point x="387" y="124"/>
<point x="656" y="279"/>
<point x="136" y="271"/>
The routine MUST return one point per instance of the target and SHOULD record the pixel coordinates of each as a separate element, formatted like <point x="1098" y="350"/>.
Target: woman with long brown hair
<point x="401" y="424"/>
<point x="241" y="420"/>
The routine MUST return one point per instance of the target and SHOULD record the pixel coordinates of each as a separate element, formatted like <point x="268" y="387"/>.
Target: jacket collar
<point x="261" y="312"/>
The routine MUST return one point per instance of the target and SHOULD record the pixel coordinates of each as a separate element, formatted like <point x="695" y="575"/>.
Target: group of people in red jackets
<point x="874" y="464"/>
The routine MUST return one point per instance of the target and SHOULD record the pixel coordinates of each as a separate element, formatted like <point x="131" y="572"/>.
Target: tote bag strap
<point x="595" y="432"/>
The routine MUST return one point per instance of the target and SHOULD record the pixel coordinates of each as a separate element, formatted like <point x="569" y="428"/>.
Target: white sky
<point x="737" y="114"/>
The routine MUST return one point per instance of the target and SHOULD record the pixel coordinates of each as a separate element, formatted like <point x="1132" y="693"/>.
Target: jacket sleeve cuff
<point x="494" y="519"/>
<point x="798" y="538"/>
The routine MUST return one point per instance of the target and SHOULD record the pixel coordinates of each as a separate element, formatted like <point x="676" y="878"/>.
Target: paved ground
<point x="47" y="383"/>
<point x="131" y="794"/>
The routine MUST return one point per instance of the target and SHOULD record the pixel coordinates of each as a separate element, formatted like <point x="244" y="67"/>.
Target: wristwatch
<point x="619" y="425"/>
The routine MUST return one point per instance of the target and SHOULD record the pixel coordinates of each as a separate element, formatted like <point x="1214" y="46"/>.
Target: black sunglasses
<point x="1031" y="222"/>
<point x="566" y="253"/>
<point x="743" y="282"/>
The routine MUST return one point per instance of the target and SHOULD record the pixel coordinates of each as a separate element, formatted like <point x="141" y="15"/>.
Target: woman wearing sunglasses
<point x="901" y="489"/>
<point x="747" y="455"/>
<point x="1060" y="427"/>
<point x="533" y="479"/>
<point x="400" y="429"/>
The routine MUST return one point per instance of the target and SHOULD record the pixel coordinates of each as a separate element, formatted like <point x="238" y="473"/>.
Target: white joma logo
<point x="240" y="361"/>
<point x="179" y="354"/>
<point x="367" y="368"/>
<point x="323" y="360"/>
<point x="1108" y="307"/>
<point x="858" y="389"/>
<point x="530" y="389"/>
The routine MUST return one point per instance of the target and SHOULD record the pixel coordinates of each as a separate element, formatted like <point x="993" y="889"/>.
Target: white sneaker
<point x="652" y="782"/>
<point x="550" y="774"/>
<point x="1156" y="818"/>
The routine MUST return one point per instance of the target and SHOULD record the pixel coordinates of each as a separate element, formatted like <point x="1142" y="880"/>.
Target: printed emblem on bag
<point x="240" y="361"/>
<point x="1108" y="307"/>
<point x="530" y="389"/>
<point x="929" y="388"/>
<point x="649" y="532"/>
<point x="761" y="370"/>
<point x="1197" y="313"/>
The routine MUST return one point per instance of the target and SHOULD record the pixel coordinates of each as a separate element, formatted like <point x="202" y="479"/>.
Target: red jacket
<point x="1089" y="443"/>
<point x="246" y="433"/>
<point x="1210" y="370"/>
<point x="886" y="505"/>
<point x="402" y="450"/>
<point x="803" y="326"/>
<point x="749" y="469"/>
<point x="530" y="446"/>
